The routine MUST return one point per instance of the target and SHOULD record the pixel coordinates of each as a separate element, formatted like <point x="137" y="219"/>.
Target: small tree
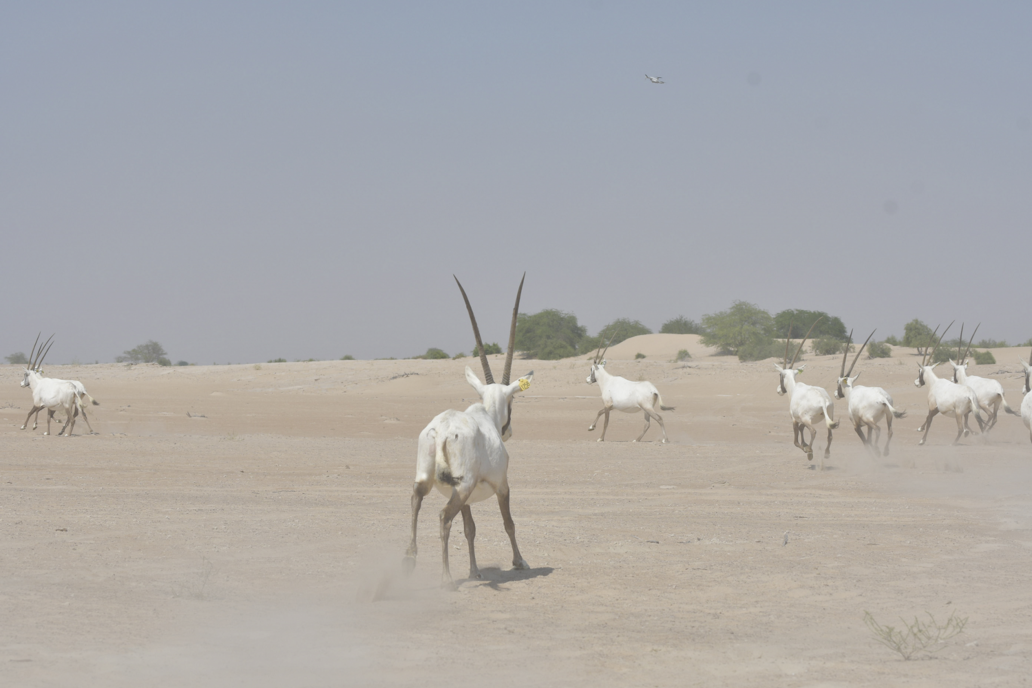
<point x="148" y="352"/>
<point x="17" y="358"/>
<point x="681" y="325"/>
<point x="617" y="331"/>
<point x="434" y="353"/>
<point x="918" y="335"/>
<point x="744" y="324"/>
<point x="543" y="334"/>
<point x="490" y="348"/>
<point x="826" y="345"/>
<point x="983" y="357"/>
<point x="829" y="327"/>
<point x="878" y="350"/>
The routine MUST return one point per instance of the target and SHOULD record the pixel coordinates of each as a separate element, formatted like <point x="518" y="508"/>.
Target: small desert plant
<point x="760" y="350"/>
<point x="148" y="352"/>
<point x="434" y="353"/>
<point x="993" y="344"/>
<point x="347" y="357"/>
<point x="16" y="358"/>
<point x="1028" y="342"/>
<point x="827" y="345"/>
<point x="489" y="348"/>
<point x="278" y="360"/>
<point x="182" y="363"/>
<point x="461" y="354"/>
<point x="639" y="356"/>
<point x="893" y="340"/>
<point x="983" y="357"/>
<point x="683" y="355"/>
<point x="257" y="366"/>
<point x="878" y="350"/>
<point x="916" y="636"/>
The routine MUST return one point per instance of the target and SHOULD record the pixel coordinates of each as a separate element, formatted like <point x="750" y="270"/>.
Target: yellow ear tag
<point x="524" y="384"/>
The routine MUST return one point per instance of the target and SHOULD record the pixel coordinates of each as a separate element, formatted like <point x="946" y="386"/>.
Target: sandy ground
<point x="228" y="526"/>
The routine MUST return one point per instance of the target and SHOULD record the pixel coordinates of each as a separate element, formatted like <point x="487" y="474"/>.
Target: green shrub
<point x="878" y="350"/>
<point x="162" y="361"/>
<point x="944" y="354"/>
<point x="548" y="335"/>
<point x="182" y="363"/>
<point x="617" y="331"/>
<point x="800" y="322"/>
<point x="461" y="354"/>
<point x="148" y="352"/>
<point x="17" y="358"/>
<point x="490" y="348"/>
<point x="742" y="325"/>
<point x="639" y="356"/>
<point x="278" y="360"/>
<point x="760" y="350"/>
<point x="918" y="335"/>
<point x="992" y="344"/>
<point x="347" y="357"/>
<point x="683" y="355"/>
<point x="893" y="340"/>
<point x="983" y="357"/>
<point x="826" y="346"/>
<point x="682" y="325"/>
<point x="434" y="353"/>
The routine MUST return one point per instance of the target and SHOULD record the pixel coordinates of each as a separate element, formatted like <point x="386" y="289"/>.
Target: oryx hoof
<point x="520" y="565"/>
<point x="827" y="454"/>
<point x="809" y="456"/>
<point x="665" y="441"/>
<point x="921" y="442"/>
<point x="475" y="575"/>
<point x="45" y="433"/>
<point x="966" y="432"/>
<point x="590" y="429"/>
<point x="408" y="564"/>
<point x="600" y="440"/>
<point x="634" y="440"/>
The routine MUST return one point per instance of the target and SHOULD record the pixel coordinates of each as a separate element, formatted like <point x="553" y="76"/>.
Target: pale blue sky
<point x="244" y="181"/>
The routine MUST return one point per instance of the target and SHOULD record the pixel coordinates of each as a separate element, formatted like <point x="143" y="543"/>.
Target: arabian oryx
<point x="807" y="405"/>
<point x="48" y="393"/>
<point x="462" y="454"/>
<point x="1026" y="403"/>
<point x="989" y="392"/>
<point x="621" y="394"/>
<point x="945" y="396"/>
<point x="867" y="405"/>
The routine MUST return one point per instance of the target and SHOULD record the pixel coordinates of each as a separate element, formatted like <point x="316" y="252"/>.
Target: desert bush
<point x="278" y="360"/>
<point x="639" y="356"/>
<point x="760" y="351"/>
<point x="347" y="357"/>
<point x="893" y="340"/>
<point x="461" y="354"/>
<point x="489" y="348"/>
<point x="617" y="331"/>
<point x="983" y="357"/>
<point x="878" y="350"/>
<point x="434" y="353"/>
<point x="944" y="354"/>
<point x="683" y="355"/>
<point x="1028" y="342"/>
<point x="917" y="636"/>
<point x="543" y="334"/>
<point x="681" y="325"/>
<point x="800" y="322"/>
<point x="148" y="352"/>
<point x="182" y="363"/>
<point x="992" y="344"/>
<point x="918" y="335"/>
<point x="742" y="325"/>
<point x="17" y="358"/>
<point x="826" y="345"/>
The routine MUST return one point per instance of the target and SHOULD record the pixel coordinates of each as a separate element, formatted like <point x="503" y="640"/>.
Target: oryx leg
<point x="605" y="425"/>
<point x="34" y="409"/>
<point x="927" y="425"/>
<point x="888" y="432"/>
<point x="595" y="422"/>
<point x="827" y="449"/>
<point x="659" y="419"/>
<point x="419" y="490"/>
<point x="510" y="527"/>
<point x="647" y="423"/>
<point x="86" y="419"/>
<point x="961" y="430"/>
<point x="470" y="529"/>
<point x="458" y="499"/>
<point x="992" y="413"/>
<point x="808" y="448"/>
<point x="859" y="431"/>
<point x="797" y="434"/>
<point x="69" y="423"/>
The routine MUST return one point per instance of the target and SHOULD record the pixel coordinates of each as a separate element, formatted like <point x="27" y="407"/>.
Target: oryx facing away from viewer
<point x="1026" y="403"/>
<point x="989" y="392"/>
<point x="620" y="394"/>
<point x="807" y="405"/>
<point x="463" y="455"/>
<point x="48" y="393"/>
<point x="866" y="405"/>
<point x="945" y="396"/>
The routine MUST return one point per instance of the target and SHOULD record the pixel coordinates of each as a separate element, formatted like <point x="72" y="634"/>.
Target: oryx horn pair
<point x="602" y="338"/>
<point x="488" y="377"/>
<point x="930" y="356"/>
<point x="961" y="358"/>
<point x="843" y="373"/>
<point x="788" y="340"/>
<point x="35" y="363"/>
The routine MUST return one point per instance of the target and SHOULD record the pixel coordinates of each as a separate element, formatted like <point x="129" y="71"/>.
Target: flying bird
<point x="655" y="79"/>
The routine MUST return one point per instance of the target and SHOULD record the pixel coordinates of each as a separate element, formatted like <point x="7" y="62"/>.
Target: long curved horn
<point x="512" y="334"/>
<point x="488" y="378"/>
<point x="607" y="345"/>
<point x="857" y="358"/>
<point x="36" y="362"/>
<point x="804" y="340"/>
<point x="601" y="338"/>
<point x="925" y="356"/>
<point x="845" y="353"/>
<point x="931" y="359"/>
<point x="33" y="352"/>
<point x="788" y="339"/>
<point x="970" y="341"/>
<point x="47" y="351"/>
<point x="960" y="345"/>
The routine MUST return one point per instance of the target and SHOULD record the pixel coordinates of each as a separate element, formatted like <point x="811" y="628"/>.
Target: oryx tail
<point x="656" y="399"/>
<point x="442" y="470"/>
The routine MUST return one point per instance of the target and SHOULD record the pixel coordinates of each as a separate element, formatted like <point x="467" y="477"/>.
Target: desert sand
<point x="229" y="525"/>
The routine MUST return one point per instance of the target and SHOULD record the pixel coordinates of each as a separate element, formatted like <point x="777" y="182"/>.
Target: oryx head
<point x="844" y="379"/>
<point x="788" y="372"/>
<point x="599" y="361"/>
<point x="497" y="398"/>
<point x="34" y="367"/>
<point x="929" y="356"/>
<point x="960" y="365"/>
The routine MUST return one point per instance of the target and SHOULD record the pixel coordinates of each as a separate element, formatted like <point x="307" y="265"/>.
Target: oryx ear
<point x="800" y="369"/>
<point x="602" y="363"/>
<point x="855" y="377"/>
<point x="474" y="381"/>
<point x="522" y="384"/>
<point x="778" y="368"/>
<point x="934" y="364"/>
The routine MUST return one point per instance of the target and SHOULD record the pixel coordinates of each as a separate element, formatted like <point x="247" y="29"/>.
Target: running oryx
<point x="462" y="454"/>
<point x="866" y="405"/>
<point x="48" y="393"/>
<point x="945" y="396"/>
<point x="1026" y="403"/>
<point x="989" y="392"/>
<point x="807" y="405"/>
<point x="621" y="394"/>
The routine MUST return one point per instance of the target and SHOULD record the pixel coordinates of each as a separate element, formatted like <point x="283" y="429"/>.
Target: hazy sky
<point x="245" y="181"/>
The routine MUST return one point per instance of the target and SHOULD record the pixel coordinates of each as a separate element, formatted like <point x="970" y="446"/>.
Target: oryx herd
<point x="463" y="453"/>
